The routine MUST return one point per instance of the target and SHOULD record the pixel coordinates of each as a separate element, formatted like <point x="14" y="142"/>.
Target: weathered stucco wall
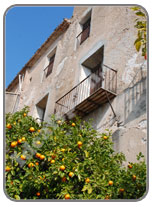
<point x="113" y="28"/>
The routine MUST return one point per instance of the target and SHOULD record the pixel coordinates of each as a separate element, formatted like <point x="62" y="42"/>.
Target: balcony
<point x="95" y="90"/>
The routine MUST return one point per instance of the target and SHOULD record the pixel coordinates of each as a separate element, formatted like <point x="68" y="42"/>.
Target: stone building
<point x="89" y="67"/>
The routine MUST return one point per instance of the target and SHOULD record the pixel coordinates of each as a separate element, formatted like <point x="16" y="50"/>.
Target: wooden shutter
<point x="50" y="66"/>
<point x="85" y="31"/>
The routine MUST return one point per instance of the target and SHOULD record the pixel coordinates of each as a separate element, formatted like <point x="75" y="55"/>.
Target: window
<point x="41" y="108"/>
<point x="84" y="28"/>
<point x="50" y="66"/>
<point x="85" y="31"/>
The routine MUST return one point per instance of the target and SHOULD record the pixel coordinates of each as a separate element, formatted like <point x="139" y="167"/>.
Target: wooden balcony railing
<point x="89" y="93"/>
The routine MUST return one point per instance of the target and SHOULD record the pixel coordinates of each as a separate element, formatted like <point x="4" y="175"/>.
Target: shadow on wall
<point x="135" y="98"/>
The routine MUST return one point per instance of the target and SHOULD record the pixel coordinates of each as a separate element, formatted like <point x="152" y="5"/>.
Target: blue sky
<point x="26" y="29"/>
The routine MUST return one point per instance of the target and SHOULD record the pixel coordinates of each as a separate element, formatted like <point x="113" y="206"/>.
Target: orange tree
<point x="66" y="160"/>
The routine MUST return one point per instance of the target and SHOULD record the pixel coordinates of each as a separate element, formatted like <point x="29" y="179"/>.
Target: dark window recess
<point x="85" y="31"/>
<point x="50" y="66"/>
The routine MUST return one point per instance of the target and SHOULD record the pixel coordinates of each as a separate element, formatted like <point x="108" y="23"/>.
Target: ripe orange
<point x="63" y="159"/>
<point x="38" y="130"/>
<point x="23" y="157"/>
<point x="38" y="155"/>
<point x="73" y="124"/>
<point x="9" y="126"/>
<point x="13" y="144"/>
<point x="64" y="179"/>
<point x="7" y="169"/>
<point x="32" y="129"/>
<point x="37" y="163"/>
<point x="23" y="139"/>
<point x="24" y="114"/>
<point x="38" y="194"/>
<point x="110" y="182"/>
<point x="134" y="177"/>
<point x="63" y="150"/>
<point x="30" y="165"/>
<point x="71" y="174"/>
<point x="130" y="166"/>
<point x="14" y="123"/>
<point x="52" y="161"/>
<point x="121" y="190"/>
<point x="67" y="196"/>
<point x="105" y="137"/>
<point x="19" y="141"/>
<point x="62" y="167"/>
<point x="87" y="180"/>
<point x="79" y="143"/>
<point x="42" y="157"/>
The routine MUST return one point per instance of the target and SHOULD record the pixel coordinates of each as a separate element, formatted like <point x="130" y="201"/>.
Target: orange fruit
<point x="134" y="177"/>
<point x="9" y="126"/>
<point x="71" y="174"/>
<point x="64" y="179"/>
<point x="62" y="167"/>
<point x="42" y="157"/>
<point x="32" y="129"/>
<point x="38" y="194"/>
<point x="79" y="143"/>
<point x="63" y="150"/>
<point x="110" y="182"/>
<point x="7" y="169"/>
<point x="63" y="159"/>
<point x="130" y="166"/>
<point x="38" y="155"/>
<point x="87" y="180"/>
<point x="38" y="130"/>
<point x="30" y="165"/>
<point x="23" y="157"/>
<point x="11" y="182"/>
<point x="52" y="161"/>
<point x="13" y="144"/>
<point x="121" y="190"/>
<point x="105" y="137"/>
<point x="19" y="141"/>
<point x="37" y="163"/>
<point x="24" y="114"/>
<point x="67" y="196"/>
<point x="23" y="139"/>
<point x="73" y="124"/>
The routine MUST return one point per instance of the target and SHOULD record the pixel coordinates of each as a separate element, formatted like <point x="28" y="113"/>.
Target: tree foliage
<point x="141" y="25"/>
<point x="66" y="160"/>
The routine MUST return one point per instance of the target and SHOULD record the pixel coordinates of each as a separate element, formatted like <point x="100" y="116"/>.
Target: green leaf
<point x="86" y="153"/>
<point x="135" y="8"/>
<point x="89" y="189"/>
<point x="139" y="13"/>
<point x="85" y="187"/>
<point x="138" y="45"/>
<point x="17" y="197"/>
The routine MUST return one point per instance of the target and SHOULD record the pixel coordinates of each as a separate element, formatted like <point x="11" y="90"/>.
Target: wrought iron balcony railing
<point x="89" y="94"/>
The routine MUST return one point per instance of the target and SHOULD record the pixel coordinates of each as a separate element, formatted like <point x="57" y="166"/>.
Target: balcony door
<point x="96" y="78"/>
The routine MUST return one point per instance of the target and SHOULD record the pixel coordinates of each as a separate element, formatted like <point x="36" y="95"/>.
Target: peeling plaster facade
<point x="112" y="27"/>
